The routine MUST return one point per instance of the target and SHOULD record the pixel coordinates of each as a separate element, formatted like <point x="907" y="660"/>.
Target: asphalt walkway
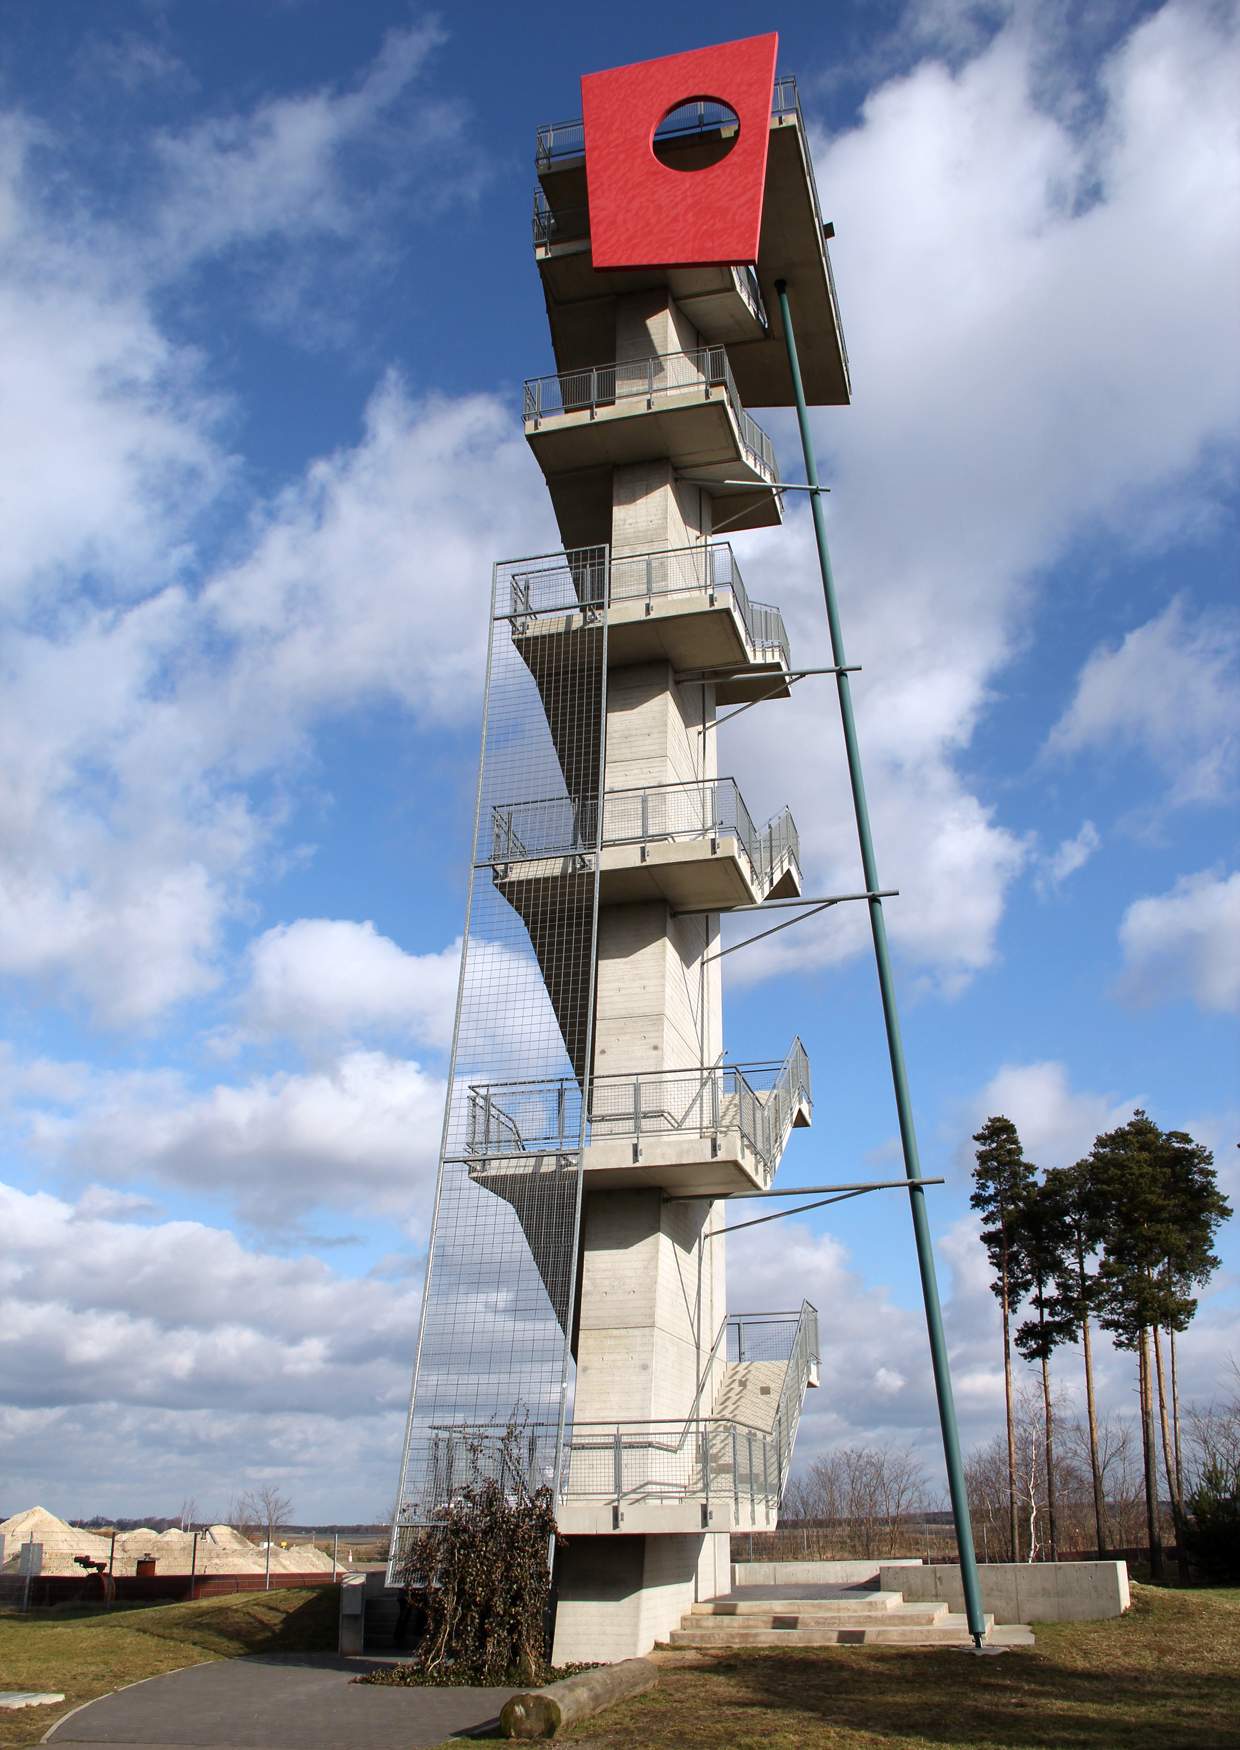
<point x="293" y="1703"/>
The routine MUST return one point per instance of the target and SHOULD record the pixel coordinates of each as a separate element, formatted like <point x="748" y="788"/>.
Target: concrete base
<point x="617" y="1596"/>
<point x="1022" y="1591"/>
<point x="859" y="1573"/>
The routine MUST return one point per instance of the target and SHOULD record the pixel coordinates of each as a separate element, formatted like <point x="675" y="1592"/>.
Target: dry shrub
<point x="480" y="1573"/>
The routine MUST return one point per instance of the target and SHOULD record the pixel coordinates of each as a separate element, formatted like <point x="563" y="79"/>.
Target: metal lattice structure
<point x="494" y="1343"/>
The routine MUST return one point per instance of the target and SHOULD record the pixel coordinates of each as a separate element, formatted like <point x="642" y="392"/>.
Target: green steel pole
<point x="891" y="1019"/>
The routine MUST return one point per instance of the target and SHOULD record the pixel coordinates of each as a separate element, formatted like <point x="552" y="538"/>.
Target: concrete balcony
<point x="682" y="407"/>
<point x="687" y="606"/>
<point x="691" y="845"/>
<point x="715" y="1130"/>
<point x="793" y="247"/>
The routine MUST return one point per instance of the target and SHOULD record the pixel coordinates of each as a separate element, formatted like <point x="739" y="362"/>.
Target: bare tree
<point x="263" y="1509"/>
<point x="188" y="1513"/>
<point x="866" y="1493"/>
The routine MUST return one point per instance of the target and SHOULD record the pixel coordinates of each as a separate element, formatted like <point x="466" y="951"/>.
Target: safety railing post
<point x="617" y="1466"/>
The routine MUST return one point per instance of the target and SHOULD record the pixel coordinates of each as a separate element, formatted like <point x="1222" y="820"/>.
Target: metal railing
<point x="555" y="142"/>
<point x="507" y="1120"/>
<point x="702" y="370"/>
<point x="745" y="279"/>
<point x="707" y="1458"/>
<point x="560" y="224"/>
<point x="659" y="813"/>
<point x="585" y="577"/>
<point x="704" y="570"/>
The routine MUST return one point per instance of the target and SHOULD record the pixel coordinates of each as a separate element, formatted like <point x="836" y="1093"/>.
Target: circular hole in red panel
<point x="696" y="133"/>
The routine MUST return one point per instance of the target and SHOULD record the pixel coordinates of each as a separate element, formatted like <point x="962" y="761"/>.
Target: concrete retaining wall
<point x="816" y="1573"/>
<point x="1020" y="1591"/>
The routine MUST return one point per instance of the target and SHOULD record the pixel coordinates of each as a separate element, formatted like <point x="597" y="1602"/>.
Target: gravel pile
<point x="221" y="1549"/>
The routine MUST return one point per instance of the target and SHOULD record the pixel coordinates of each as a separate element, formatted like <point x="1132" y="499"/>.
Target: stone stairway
<point x="819" y="1617"/>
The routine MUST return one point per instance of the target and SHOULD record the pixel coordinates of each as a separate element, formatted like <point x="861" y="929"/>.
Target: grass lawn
<point x="87" y="1653"/>
<point x="1165" y="1676"/>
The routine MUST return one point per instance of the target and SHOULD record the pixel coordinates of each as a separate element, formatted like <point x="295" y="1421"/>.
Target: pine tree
<point x="1001" y="1180"/>
<point x="1197" y="1207"/>
<point x="1165" y="1206"/>
<point x="1078" y="1292"/>
<point x="1128" y="1165"/>
<point x="1042" y="1235"/>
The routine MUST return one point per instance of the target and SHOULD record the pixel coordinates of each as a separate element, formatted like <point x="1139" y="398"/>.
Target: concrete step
<point x="947" y="1630"/>
<point x="865" y="1604"/>
<point x="793" y="1617"/>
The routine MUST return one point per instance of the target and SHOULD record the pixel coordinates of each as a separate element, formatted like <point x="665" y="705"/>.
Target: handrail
<point x="584" y="576"/>
<point x="558" y="826"/>
<point x="653" y="1102"/>
<point x="556" y="140"/>
<point x="703" y="368"/>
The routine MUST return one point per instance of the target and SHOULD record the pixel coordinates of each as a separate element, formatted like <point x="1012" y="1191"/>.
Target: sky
<point x="267" y="298"/>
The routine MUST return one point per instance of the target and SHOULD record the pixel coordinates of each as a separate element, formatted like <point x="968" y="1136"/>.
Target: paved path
<point x="292" y="1703"/>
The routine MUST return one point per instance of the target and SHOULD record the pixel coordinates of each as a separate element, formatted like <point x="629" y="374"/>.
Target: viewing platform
<point x="717" y="1130"/>
<point x="793" y="247"/>
<point x="693" y="845"/>
<point x="687" y="606"/>
<point x="682" y="406"/>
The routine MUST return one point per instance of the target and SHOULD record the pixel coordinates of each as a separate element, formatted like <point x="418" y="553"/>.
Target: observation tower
<point x="576" y="1292"/>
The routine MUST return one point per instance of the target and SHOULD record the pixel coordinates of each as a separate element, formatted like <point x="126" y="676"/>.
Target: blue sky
<point x="266" y="299"/>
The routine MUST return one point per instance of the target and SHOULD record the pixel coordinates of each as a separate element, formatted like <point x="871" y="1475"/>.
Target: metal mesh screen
<point x="497" y="1309"/>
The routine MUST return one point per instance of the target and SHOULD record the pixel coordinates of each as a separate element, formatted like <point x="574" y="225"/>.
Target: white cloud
<point x="108" y="439"/>
<point x="1185" y="943"/>
<point x="1057" y="1123"/>
<point x="189" y="1356"/>
<point x="283" y="169"/>
<point x="328" y="978"/>
<point x="1067" y="857"/>
<point x="130" y="834"/>
<point x="359" y="1133"/>
<point x="1169" y="690"/>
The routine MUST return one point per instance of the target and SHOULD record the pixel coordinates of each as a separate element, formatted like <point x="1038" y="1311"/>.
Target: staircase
<point x="822" y="1616"/>
<point x="749" y="1392"/>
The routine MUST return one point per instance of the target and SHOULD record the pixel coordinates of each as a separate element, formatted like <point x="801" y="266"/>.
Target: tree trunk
<point x="1049" y="1426"/>
<point x="1149" y="1455"/>
<point x="1091" y="1414"/>
<point x="1173" y="1489"/>
<point x="1175" y="1419"/>
<point x="1013" y="1532"/>
<point x="1165" y="1425"/>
